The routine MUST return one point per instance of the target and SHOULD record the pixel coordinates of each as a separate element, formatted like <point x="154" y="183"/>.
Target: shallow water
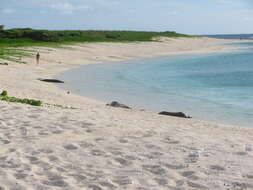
<point x="215" y="87"/>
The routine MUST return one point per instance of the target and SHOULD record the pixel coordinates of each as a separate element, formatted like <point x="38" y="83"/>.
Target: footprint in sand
<point x="10" y="164"/>
<point x="89" y="130"/>
<point x="168" y="140"/>
<point x="107" y="185"/>
<point x="142" y="188"/>
<point x="241" y="153"/>
<point x="99" y="139"/>
<point x="84" y="144"/>
<point x="196" y="185"/>
<point x="34" y="116"/>
<point x="78" y="177"/>
<point x="190" y="175"/>
<point x="85" y="125"/>
<point x="116" y="152"/>
<point x="180" y="183"/>
<point x="97" y="152"/>
<point x="6" y="141"/>
<point x="217" y="167"/>
<point x="20" y="175"/>
<point x="176" y="166"/>
<point x="52" y="158"/>
<point x="239" y="185"/>
<point x="57" y="132"/>
<point x="155" y="169"/>
<point x="44" y="165"/>
<point x="62" y="170"/>
<point x="17" y="186"/>
<point x="149" y="134"/>
<point x="43" y="133"/>
<point x="95" y="187"/>
<point x="23" y="131"/>
<point x="152" y="146"/>
<point x="122" y="161"/>
<point x="122" y="180"/>
<point x="46" y="151"/>
<point x="70" y="147"/>
<point x="129" y="157"/>
<point x="123" y="141"/>
<point x="12" y="150"/>
<point x="33" y="159"/>
<point x="193" y="157"/>
<point x="161" y="181"/>
<point x="153" y="155"/>
<point x="55" y="183"/>
<point x="249" y="176"/>
<point x="54" y="180"/>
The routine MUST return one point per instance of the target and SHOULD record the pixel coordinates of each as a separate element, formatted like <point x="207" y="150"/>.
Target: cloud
<point x="248" y="18"/>
<point x="67" y="7"/>
<point x="7" y="11"/>
<point x="225" y="1"/>
<point x="174" y="12"/>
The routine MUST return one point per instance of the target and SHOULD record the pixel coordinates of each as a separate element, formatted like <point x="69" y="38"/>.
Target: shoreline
<point x="107" y="98"/>
<point x="62" y="65"/>
<point x="97" y="147"/>
<point x="54" y="65"/>
<point x="230" y="49"/>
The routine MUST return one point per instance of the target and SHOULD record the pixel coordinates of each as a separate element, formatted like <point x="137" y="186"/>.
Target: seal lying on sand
<point x="51" y="80"/>
<point x="175" y="114"/>
<point x="118" y="105"/>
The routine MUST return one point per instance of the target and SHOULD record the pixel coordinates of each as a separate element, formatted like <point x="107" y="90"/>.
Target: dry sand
<point x="97" y="147"/>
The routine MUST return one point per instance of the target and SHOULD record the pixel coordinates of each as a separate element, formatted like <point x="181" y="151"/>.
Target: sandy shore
<point x="97" y="147"/>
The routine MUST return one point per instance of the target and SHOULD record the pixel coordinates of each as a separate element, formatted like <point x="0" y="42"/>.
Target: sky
<point x="183" y="16"/>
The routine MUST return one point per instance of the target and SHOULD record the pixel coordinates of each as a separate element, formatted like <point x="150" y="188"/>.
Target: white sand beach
<point x="96" y="147"/>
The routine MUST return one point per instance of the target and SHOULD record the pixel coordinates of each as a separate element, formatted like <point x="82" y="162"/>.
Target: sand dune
<point x="96" y="147"/>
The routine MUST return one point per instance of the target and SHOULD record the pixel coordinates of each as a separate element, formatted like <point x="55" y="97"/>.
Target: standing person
<point x="38" y="58"/>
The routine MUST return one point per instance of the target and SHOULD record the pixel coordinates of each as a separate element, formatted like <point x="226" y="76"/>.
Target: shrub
<point x="4" y="93"/>
<point x="42" y="35"/>
<point x="112" y="36"/>
<point x="4" y="97"/>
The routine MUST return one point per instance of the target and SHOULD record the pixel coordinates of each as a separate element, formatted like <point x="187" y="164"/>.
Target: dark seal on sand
<point x="51" y="80"/>
<point x="175" y="114"/>
<point x="118" y="105"/>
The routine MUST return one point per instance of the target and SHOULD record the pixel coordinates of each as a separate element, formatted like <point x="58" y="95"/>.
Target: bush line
<point x="4" y="97"/>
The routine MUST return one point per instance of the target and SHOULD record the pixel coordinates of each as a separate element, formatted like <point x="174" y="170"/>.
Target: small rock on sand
<point x="118" y="105"/>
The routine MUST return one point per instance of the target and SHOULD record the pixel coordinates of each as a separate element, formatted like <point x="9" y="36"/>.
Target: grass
<point x="13" y="41"/>
<point x="13" y="49"/>
<point x="4" y="97"/>
<point x="11" y="54"/>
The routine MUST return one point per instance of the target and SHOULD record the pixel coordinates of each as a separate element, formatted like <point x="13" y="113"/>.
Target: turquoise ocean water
<point x="215" y="87"/>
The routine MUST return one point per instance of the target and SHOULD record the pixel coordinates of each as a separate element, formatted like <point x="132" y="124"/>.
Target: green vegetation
<point x="4" y="93"/>
<point x="12" y="41"/>
<point x="27" y="35"/>
<point x="4" y="97"/>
